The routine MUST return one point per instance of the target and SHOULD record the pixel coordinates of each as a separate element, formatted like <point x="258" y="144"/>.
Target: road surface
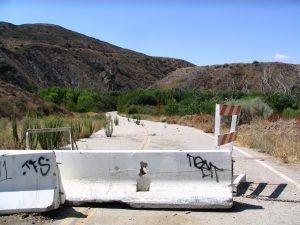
<point x="276" y="185"/>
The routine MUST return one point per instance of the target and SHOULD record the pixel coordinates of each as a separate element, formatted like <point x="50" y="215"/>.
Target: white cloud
<point x="281" y="56"/>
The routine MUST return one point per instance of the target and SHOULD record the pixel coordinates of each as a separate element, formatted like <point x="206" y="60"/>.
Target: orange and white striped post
<point x="226" y="110"/>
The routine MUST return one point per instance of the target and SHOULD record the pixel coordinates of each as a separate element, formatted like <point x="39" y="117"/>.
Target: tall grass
<point x="51" y="140"/>
<point x="14" y="127"/>
<point x="13" y="133"/>
<point x="76" y="128"/>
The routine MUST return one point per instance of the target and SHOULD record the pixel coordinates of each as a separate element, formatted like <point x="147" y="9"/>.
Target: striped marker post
<point x="226" y="110"/>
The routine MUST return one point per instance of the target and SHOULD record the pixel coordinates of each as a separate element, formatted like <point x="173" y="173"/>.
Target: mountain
<point x="34" y="56"/>
<point x="259" y="76"/>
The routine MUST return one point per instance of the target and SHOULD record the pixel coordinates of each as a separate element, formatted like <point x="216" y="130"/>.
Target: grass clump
<point x="116" y="121"/>
<point x="109" y="129"/>
<point x="51" y="140"/>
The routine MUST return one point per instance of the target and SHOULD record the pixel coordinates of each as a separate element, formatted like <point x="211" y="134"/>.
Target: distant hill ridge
<point x="258" y="76"/>
<point x="35" y="56"/>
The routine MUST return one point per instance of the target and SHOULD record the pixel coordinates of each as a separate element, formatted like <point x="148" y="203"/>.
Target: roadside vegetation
<point x="13" y="130"/>
<point x="176" y="101"/>
<point x="186" y="107"/>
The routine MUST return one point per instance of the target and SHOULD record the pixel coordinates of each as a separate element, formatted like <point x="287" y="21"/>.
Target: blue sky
<point x="202" y="32"/>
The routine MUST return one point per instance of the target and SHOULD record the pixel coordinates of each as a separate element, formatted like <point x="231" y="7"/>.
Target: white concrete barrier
<point x="151" y="179"/>
<point x="28" y="181"/>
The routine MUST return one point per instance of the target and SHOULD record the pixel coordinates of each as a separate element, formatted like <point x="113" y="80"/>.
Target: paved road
<point x="266" y="178"/>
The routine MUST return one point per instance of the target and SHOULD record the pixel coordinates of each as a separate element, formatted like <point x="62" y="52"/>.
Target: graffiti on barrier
<point x="207" y="168"/>
<point x="41" y="165"/>
<point x="4" y="171"/>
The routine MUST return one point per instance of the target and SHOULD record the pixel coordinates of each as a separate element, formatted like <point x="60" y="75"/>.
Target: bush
<point x="171" y="107"/>
<point x="291" y="113"/>
<point x="254" y="108"/>
<point x="280" y="101"/>
<point x="146" y="99"/>
<point x="132" y="109"/>
<point x="109" y="127"/>
<point x="116" y="121"/>
<point x="88" y="127"/>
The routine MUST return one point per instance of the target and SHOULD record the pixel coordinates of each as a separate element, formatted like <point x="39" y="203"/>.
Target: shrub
<point x="146" y="99"/>
<point x="207" y="107"/>
<point x="76" y="129"/>
<point x="88" y="127"/>
<point x="291" y="113"/>
<point x="116" y="121"/>
<point x="193" y="108"/>
<point x="51" y="140"/>
<point x="254" y="108"/>
<point x="137" y="120"/>
<point x="279" y="101"/>
<point x="109" y="127"/>
<point x="171" y="107"/>
<point x="132" y="109"/>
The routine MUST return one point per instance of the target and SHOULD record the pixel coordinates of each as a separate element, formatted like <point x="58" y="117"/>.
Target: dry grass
<point x="280" y="139"/>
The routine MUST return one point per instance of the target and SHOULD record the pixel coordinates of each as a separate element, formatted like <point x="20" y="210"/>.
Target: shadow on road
<point x="64" y="212"/>
<point x="237" y="207"/>
<point x="246" y="188"/>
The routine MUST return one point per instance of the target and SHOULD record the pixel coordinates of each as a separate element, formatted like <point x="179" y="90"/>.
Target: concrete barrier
<point x="28" y="181"/>
<point x="151" y="179"/>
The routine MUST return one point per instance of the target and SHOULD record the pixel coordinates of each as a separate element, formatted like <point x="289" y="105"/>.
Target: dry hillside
<point x="255" y="76"/>
<point x="35" y="56"/>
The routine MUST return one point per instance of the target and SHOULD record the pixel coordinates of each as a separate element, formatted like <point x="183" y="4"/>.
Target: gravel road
<point x="275" y="185"/>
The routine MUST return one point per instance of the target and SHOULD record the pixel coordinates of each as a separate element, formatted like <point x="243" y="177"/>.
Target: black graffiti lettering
<point x="26" y="164"/>
<point x="189" y="156"/>
<point x="40" y="164"/>
<point x="3" y="172"/>
<point x="31" y="162"/>
<point x="205" y="167"/>
<point x="44" y="173"/>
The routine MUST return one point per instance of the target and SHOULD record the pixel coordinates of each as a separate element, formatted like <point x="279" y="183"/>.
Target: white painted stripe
<point x="286" y="178"/>
<point x="235" y="110"/>
<point x="227" y="138"/>
<point x="290" y="180"/>
<point x="227" y="110"/>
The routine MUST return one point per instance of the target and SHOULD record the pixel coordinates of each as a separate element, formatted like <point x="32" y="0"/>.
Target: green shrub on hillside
<point x="253" y="109"/>
<point x="175" y="101"/>
<point x="172" y="107"/>
<point x="291" y="113"/>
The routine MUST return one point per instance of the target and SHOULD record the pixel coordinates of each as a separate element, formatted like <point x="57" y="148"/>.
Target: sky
<point x="200" y="31"/>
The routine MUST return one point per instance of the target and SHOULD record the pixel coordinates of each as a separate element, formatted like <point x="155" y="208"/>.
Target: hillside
<point x="24" y="102"/>
<point x="34" y="56"/>
<point x="255" y="76"/>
